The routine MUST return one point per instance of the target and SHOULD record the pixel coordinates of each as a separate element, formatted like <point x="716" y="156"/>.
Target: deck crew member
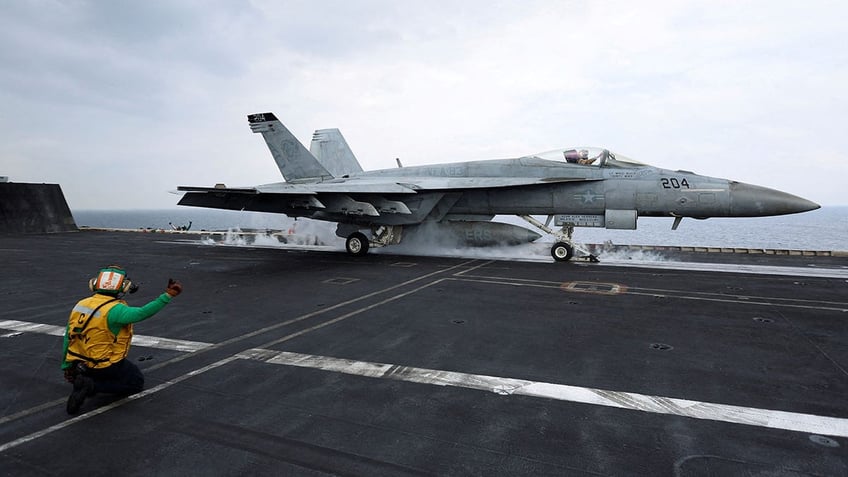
<point x="98" y="337"/>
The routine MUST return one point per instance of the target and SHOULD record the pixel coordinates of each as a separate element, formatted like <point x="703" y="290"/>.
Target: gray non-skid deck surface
<point x="406" y="365"/>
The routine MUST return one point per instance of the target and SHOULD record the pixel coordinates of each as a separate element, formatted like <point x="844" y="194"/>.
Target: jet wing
<point x="279" y="198"/>
<point x="409" y="184"/>
<point x="304" y="199"/>
<point x="311" y="188"/>
<point x="341" y="186"/>
<point x="394" y="185"/>
<point x="460" y="183"/>
<point x="372" y="197"/>
<point x="220" y="190"/>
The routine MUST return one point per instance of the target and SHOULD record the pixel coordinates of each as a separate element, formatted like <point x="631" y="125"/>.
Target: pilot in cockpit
<point x="574" y="156"/>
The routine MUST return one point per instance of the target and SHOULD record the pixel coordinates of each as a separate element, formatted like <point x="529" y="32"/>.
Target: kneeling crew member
<point x="98" y="337"/>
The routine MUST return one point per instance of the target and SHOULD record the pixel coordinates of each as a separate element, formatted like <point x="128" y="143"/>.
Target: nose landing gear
<point x="562" y="252"/>
<point x="564" y="247"/>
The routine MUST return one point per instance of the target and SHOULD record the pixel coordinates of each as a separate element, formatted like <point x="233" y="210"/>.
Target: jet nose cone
<point x="748" y="200"/>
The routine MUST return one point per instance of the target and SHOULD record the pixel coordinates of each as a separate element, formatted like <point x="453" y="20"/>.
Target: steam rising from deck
<point x="424" y="240"/>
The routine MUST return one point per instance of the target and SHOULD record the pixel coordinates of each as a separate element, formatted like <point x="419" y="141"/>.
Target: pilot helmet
<point x="571" y="155"/>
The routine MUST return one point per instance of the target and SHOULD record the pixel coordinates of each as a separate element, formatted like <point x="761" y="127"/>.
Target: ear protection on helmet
<point x="111" y="280"/>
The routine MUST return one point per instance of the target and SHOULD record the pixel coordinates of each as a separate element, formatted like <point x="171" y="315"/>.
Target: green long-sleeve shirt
<point x="122" y="315"/>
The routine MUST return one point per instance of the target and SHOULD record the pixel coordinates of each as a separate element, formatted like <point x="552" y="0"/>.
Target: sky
<point x="120" y="101"/>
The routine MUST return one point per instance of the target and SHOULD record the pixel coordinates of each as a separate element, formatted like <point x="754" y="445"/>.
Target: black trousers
<point x="123" y="378"/>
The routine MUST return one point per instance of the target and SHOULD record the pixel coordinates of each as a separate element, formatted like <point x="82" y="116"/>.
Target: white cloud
<point x="142" y="97"/>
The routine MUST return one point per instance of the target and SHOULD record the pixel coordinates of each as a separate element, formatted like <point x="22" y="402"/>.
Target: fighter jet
<point x="574" y="187"/>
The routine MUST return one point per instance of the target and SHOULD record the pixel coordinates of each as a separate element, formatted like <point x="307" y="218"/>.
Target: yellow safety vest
<point x="89" y="337"/>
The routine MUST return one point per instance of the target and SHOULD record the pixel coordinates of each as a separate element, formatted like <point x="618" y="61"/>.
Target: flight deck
<point x="288" y="361"/>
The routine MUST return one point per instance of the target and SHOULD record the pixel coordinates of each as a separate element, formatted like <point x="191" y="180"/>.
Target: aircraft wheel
<point x="357" y="244"/>
<point x="562" y="252"/>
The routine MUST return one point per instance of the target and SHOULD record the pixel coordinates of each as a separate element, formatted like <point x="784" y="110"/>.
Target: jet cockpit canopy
<point x="589" y="156"/>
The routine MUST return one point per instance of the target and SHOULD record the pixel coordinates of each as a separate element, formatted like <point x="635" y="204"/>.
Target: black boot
<point x="83" y="387"/>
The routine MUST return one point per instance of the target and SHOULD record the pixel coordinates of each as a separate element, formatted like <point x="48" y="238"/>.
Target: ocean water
<point x="823" y="229"/>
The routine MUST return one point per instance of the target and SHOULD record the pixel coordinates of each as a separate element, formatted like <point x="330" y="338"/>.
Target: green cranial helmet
<point x="111" y="280"/>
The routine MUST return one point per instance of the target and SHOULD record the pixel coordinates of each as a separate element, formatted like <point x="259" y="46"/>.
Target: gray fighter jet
<point x="574" y="187"/>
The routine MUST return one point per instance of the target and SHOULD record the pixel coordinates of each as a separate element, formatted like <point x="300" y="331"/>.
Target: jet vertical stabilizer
<point x="332" y="151"/>
<point x="294" y="161"/>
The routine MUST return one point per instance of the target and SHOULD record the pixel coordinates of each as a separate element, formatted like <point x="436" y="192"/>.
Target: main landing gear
<point x="564" y="247"/>
<point x="357" y="244"/>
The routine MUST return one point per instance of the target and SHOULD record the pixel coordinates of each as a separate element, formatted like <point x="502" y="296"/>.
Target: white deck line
<point x="791" y="421"/>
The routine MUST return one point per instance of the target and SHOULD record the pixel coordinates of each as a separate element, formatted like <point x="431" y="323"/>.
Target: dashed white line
<point x="731" y="268"/>
<point x="138" y="340"/>
<point x="791" y="421"/>
<point x="823" y="425"/>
